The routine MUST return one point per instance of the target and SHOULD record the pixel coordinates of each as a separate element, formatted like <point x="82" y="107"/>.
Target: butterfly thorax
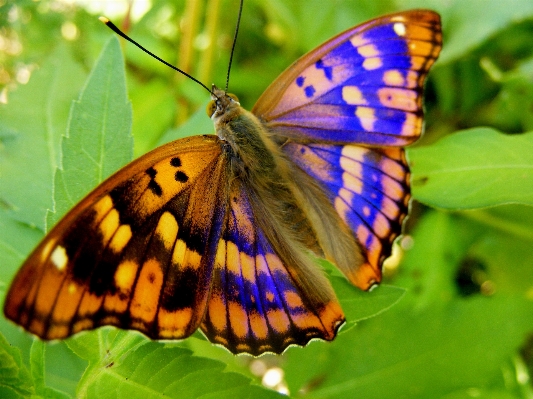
<point x="244" y="139"/>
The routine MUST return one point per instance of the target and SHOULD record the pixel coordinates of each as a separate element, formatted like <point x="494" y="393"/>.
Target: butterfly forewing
<point x="362" y="87"/>
<point x="112" y="259"/>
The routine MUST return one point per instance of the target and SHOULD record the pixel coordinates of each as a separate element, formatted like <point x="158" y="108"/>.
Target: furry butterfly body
<point x="219" y="232"/>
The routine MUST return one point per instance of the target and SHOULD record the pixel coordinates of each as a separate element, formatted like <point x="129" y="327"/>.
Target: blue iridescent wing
<point x="369" y="189"/>
<point x="342" y="114"/>
<point x="362" y="87"/>
<point x="260" y="302"/>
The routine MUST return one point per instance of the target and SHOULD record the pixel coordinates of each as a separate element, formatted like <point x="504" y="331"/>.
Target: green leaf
<point x="16" y="241"/>
<point x="465" y="33"/>
<point x="152" y="98"/>
<point x="98" y="140"/>
<point x="134" y="367"/>
<point x="420" y="355"/>
<point x="37" y="372"/>
<point x="360" y="305"/>
<point x="15" y="380"/>
<point x="35" y="118"/>
<point x="474" y="168"/>
<point x="198" y="123"/>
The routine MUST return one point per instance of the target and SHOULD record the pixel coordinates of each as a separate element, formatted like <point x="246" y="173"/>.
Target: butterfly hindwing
<point x="135" y="253"/>
<point x="362" y="87"/>
<point x="369" y="189"/>
<point x="257" y="301"/>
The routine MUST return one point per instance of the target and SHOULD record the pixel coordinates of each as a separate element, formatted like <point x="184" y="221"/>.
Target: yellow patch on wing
<point x="84" y="324"/>
<point x="47" y="249"/>
<point x="50" y="284"/>
<point x="258" y="325"/>
<point x="373" y="245"/>
<point x="124" y="279"/>
<point x="393" y="77"/>
<point x="66" y="305"/>
<point x="358" y="41"/>
<point x="278" y="320"/>
<point x="293" y="299"/>
<point x="101" y="208"/>
<point x="125" y="275"/>
<point x="184" y="257"/>
<point x="351" y="183"/>
<point x="412" y="126"/>
<point x="233" y="263"/>
<point x="120" y="239"/>
<point x="175" y="324"/>
<point x="372" y="63"/>
<point x="147" y="291"/>
<point x="238" y="319"/>
<point x="368" y="51"/>
<point x="57" y="331"/>
<point x="167" y="230"/>
<point x="390" y="208"/>
<point x="352" y="95"/>
<point x="367" y="117"/>
<point x="419" y="63"/>
<point x="351" y="152"/>
<point x="108" y="225"/>
<point x="89" y="304"/>
<point x="399" y="28"/>
<point x="381" y="226"/>
<point x="342" y="208"/>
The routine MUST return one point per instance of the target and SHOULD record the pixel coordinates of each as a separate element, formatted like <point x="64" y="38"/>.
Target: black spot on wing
<point x="181" y="177"/>
<point x="155" y="188"/>
<point x="151" y="172"/>
<point x="176" y="162"/>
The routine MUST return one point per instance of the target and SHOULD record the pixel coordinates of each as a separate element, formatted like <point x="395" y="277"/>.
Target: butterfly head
<point x="221" y="102"/>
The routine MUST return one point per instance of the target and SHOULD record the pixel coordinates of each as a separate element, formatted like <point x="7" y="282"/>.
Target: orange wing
<point x="135" y="253"/>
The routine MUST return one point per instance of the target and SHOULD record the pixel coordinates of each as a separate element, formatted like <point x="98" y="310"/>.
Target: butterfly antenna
<point x="233" y="46"/>
<point x="112" y="26"/>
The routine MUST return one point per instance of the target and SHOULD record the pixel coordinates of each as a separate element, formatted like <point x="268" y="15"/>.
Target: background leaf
<point x="473" y="169"/>
<point x="36" y="117"/>
<point x="98" y="140"/>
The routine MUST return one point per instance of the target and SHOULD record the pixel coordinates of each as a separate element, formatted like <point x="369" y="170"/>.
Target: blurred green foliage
<point x="464" y="325"/>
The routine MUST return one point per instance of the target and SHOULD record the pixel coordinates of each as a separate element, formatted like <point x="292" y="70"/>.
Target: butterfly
<point x="219" y="232"/>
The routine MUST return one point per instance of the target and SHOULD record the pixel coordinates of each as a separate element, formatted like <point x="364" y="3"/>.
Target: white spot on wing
<point x="399" y="29"/>
<point x="59" y="258"/>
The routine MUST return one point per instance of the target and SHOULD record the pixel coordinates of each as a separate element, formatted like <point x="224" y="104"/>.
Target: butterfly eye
<point x="211" y="108"/>
<point x="233" y="97"/>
